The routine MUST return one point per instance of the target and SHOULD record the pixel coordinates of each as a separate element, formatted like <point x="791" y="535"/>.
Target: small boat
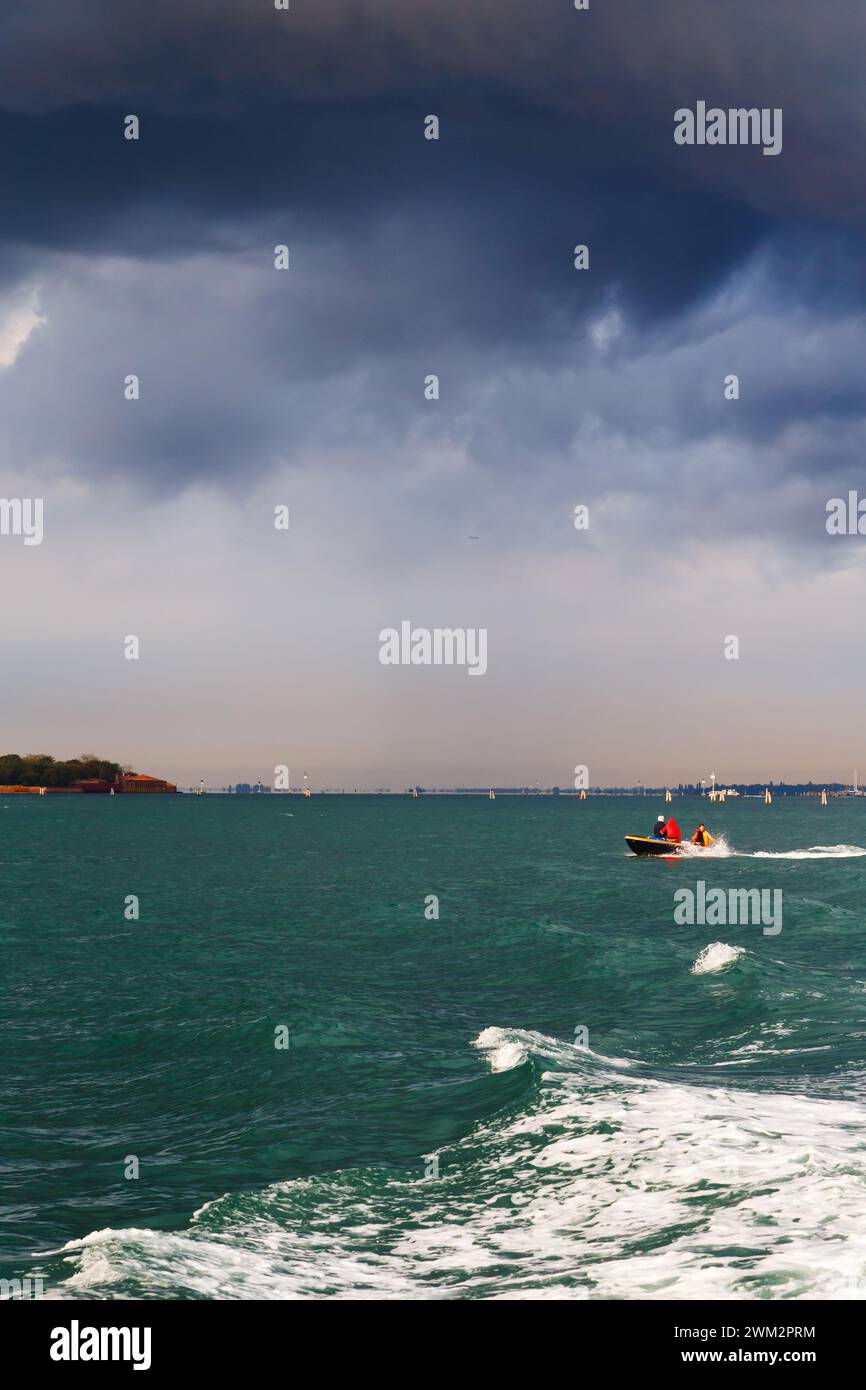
<point x="641" y="844"/>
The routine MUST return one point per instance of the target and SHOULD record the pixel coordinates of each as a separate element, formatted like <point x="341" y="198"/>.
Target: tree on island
<point x="41" y="770"/>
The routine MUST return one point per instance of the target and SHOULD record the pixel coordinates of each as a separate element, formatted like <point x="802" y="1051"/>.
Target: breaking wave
<point x="710" y="1193"/>
<point x="716" y="956"/>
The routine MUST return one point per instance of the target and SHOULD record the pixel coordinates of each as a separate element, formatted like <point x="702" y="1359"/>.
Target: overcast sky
<point x="559" y="387"/>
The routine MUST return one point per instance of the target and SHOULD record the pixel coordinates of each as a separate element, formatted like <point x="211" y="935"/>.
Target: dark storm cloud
<point x="412" y="257"/>
<point x="408" y="257"/>
<point x="512" y="187"/>
<point x="557" y="126"/>
<point x="632" y="62"/>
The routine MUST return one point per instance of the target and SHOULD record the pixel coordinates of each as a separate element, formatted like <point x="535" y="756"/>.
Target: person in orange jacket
<point x="702" y="837"/>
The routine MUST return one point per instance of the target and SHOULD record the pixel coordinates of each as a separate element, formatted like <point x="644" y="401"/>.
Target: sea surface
<point x="549" y="1090"/>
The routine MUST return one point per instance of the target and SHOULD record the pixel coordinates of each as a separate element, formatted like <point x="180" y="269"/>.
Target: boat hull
<point x="639" y="844"/>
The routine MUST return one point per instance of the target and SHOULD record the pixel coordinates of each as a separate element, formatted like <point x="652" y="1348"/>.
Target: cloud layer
<point x="409" y="258"/>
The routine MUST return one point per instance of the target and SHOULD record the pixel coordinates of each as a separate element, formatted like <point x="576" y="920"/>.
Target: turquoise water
<point x="434" y="1129"/>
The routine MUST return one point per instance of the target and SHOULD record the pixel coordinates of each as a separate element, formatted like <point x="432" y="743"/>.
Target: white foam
<point x="719" y="850"/>
<point x="501" y="1044"/>
<point x="608" y="1183"/>
<point x="816" y="852"/>
<point x="722" y="850"/>
<point x="717" y="956"/>
<point x="502" y="1054"/>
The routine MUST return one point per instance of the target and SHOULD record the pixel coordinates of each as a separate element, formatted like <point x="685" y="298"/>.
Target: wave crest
<point x="717" y="956"/>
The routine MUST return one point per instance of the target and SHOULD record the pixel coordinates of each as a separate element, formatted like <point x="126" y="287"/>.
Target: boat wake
<point x="608" y="1182"/>
<point x="722" y="850"/>
<point x="815" y="852"/>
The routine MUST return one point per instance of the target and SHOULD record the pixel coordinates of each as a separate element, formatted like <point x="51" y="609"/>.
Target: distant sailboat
<point x="415" y="793"/>
<point x="491" y="795"/>
<point x="306" y="788"/>
<point x="582" y="796"/>
<point x="824" y="798"/>
<point x="768" y="797"/>
<point x="668" y="796"/>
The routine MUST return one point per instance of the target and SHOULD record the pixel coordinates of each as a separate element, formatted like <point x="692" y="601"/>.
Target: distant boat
<point x="668" y="796"/>
<point x="768" y="797"/>
<point x="415" y="793"/>
<point x="582" y="796"/>
<point x="824" y="798"/>
<point x="491" y="795"/>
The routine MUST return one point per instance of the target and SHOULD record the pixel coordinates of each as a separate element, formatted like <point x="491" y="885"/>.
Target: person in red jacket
<point x="666" y="830"/>
<point x="671" y="831"/>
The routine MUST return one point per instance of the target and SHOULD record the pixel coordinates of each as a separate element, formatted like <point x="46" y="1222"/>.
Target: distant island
<point x="40" y="773"/>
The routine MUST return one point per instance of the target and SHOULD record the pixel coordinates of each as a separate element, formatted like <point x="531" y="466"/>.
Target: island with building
<point x="40" y="774"/>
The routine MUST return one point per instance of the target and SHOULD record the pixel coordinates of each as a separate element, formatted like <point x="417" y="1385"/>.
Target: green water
<point x="433" y="1130"/>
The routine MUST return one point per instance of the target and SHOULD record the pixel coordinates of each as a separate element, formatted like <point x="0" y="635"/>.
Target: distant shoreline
<point x="834" y="789"/>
